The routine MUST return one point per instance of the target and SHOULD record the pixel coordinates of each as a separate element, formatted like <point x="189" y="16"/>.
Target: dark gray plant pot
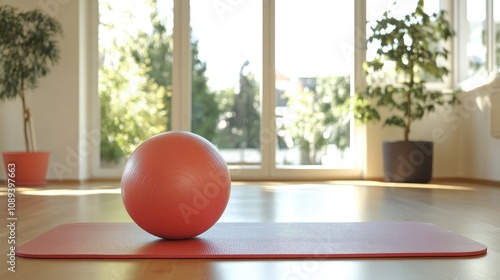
<point x="408" y="161"/>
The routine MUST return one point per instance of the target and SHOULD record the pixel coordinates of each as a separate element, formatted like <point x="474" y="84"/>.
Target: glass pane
<point x="375" y="8"/>
<point x="374" y="11"/>
<point x="496" y="15"/>
<point x="226" y="42"/>
<point x="476" y="34"/>
<point x="314" y="61"/>
<point x="135" y="57"/>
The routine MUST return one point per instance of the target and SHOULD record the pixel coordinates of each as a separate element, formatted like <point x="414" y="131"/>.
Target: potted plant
<point x="28" y="50"/>
<point x="410" y="48"/>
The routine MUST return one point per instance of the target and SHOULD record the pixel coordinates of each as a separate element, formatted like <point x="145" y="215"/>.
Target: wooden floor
<point x="468" y="209"/>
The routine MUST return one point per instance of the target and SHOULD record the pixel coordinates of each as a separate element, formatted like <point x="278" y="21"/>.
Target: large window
<point x="476" y="37"/>
<point x="226" y="43"/>
<point x="496" y="17"/>
<point x="262" y="80"/>
<point x="478" y="47"/>
<point x="314" y="41"/>
<point x="134" y="75"/>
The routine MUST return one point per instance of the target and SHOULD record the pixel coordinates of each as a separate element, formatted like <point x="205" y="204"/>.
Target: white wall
<point x="54" y="104"/>
<point x="479" y="150"/>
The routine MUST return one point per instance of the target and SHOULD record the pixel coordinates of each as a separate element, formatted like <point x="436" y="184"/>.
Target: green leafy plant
<point x="411" y="49"/>
<point x="28" y="50"/>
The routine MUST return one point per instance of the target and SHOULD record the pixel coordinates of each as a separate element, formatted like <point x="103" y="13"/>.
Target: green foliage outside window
<point x="135" y="89"/>
<point x="316" y="120"/>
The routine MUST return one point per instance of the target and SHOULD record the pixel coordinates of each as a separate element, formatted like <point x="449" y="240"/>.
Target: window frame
<point x="461" y="61"/>
<point x="181" y="103"/>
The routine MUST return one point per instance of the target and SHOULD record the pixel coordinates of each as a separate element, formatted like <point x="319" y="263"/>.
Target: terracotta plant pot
<point x="30" y="168"/>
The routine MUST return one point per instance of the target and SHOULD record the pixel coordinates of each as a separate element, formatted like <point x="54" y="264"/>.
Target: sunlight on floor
<point x="402" y="185"/>
<point x="115" y="188"/>
<point x="365" y="183"/>
<point x="40" y="191"/>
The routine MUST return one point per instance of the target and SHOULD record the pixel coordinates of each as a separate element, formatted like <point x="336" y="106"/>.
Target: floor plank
<point x="466" y="208"/>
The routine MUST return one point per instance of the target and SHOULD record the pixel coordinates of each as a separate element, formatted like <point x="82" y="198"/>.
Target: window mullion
<point x="268" y="123"/>
<point x="490" y="37"/>
<point x="181" y="74"/>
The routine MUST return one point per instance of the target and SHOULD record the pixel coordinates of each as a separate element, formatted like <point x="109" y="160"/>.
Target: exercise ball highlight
<point x="175" y="185"/>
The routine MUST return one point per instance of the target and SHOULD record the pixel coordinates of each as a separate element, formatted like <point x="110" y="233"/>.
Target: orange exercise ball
<point x="175" y="185"/>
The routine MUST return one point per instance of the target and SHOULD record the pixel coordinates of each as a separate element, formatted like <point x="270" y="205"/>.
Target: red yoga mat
<point x="254" y="240"/>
